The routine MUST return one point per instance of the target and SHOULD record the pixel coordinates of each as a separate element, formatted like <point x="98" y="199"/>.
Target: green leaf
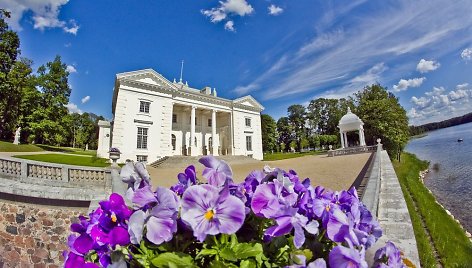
<point x="248" y="264"/>
<point x="220" y="264"/>
<point x="247" y="250"/>
<point x="206" y="252"/>
<point x="228" y="254"/>
<point x="170" y="259"/>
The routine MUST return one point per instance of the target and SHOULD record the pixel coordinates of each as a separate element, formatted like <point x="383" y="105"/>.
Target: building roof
<point x="350" y="119"/>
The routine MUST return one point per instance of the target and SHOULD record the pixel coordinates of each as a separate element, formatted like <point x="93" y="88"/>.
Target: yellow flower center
<point x="113" y="218"/>
<point x="328" y="207"/>
<point x="209" y="214"/>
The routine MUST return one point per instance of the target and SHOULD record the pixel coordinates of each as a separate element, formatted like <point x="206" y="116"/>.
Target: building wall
<point x="241" y="131"/>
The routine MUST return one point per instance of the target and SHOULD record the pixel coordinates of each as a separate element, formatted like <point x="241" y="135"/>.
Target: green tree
<point x="383" y="118"/>
<point x="297" y="119"/>
<point x="55" y="91"/>
<point x="269" y="133"/>
<point x="9" y="51"/>
<point x="285" y="132"/>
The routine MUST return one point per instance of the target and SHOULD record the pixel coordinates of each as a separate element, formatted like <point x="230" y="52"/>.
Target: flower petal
<point x="144" y="196"/>
<point x="160" y="230"/>
<point x="136" y="226"/>
<point x="119" y="236"/>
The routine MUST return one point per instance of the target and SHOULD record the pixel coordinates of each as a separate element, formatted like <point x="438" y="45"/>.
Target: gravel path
<point x="336" y="173"/>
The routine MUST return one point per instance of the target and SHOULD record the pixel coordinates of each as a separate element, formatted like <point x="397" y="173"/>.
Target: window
<point x="142" y="138"/>
<point x="248" y="122"/>
<point x="248" y="143"/>
<point x="209" y="122"/>
<point x="210" y="142"/>
<point x="174" y="118"/>
<point x="141" y="158"/>
<point x="195" y="143"/>
<point x="144" y="107"/>
<point x="196" y="121"/>
<point x="172" y="140"/>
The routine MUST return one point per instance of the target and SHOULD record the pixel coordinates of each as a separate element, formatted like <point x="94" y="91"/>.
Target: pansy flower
<point x="217" y="172"/>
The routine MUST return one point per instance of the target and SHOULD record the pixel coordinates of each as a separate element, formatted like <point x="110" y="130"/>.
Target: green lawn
<point x="452" y="246"/>
<point x="68" y="159"/>
<point x="280" y="156"/>
<point x="6" y="146"/>
<point x="68" y="150"/>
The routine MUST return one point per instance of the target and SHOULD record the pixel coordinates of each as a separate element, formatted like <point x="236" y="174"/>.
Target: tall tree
<point x="269" y="133"/>
<point x="9" y="51"/>
<point x="297" y="119"/>
<point x="383" y="118"/>
<point x="55" y="92"/>
<point x="285" y="132"/>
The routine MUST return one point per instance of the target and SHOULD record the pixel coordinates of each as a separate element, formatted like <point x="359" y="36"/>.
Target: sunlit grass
<point x="68" y="159"/>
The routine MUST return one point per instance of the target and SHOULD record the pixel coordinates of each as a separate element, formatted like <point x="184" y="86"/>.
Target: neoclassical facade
<point x="154" y="117"/>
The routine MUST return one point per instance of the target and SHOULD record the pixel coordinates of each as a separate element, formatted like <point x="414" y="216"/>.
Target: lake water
<point x="450" y="177"/>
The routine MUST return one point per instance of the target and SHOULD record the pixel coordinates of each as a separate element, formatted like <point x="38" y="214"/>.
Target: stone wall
<point x="34" y="235"/>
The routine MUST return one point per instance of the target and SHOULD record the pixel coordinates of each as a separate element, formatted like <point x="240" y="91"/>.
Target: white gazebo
<point x="351" y="122"/>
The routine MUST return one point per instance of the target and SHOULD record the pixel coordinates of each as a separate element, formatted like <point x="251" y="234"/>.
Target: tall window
<point x="142" y="138"/>
<point x="248" y="122"/>
<point x="172" y="140"/>
<point x="141" y="158"/>
<point x="248" y="143"/>
<point x="210" y="142"/>
<point x="144" y="106"/>
<point x="174" y="118"/>
<point x="209" y="122"/>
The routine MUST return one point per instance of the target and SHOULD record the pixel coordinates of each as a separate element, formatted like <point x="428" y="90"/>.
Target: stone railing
<point x="352" y="150"/>
<point x="58" y="179"/>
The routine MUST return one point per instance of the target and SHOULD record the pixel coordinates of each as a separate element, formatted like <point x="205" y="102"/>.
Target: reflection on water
<point x="450" y="176"/>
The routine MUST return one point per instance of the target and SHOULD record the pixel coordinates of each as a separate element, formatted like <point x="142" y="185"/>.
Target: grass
<point x="435" y="231"/>
<point x="68" y="150"/>
<point x="6" y="146"/>
<point x="68" y="159"/>
<point x="281" y="156"/>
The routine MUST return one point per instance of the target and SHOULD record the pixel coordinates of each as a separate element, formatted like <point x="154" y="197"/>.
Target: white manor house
<point x="154" y="117"/>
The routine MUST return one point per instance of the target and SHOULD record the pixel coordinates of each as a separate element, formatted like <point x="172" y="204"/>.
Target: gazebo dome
<point x="350" y="118"/>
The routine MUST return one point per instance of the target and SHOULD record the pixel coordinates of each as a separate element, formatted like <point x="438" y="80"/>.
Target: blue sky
<point x="281" y="52"/>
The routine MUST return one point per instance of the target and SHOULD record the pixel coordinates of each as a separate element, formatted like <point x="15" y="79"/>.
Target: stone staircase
<point x="159" y="161"/>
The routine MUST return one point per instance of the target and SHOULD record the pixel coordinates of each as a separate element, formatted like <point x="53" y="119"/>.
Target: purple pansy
<point x="186" y="179"/>
<point x="217" y="172"/>
<point x="210" y="212"/>
<point x="159" y="215"/>
<point x="291" y="220"/>
<point x="271" y="198"/>
<point x="347" y="257"/>
<point x="388" y="256"/>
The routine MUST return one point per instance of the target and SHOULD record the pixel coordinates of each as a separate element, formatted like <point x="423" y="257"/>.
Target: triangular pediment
<point x="249" y="101"/>
<point x="148" y="76"/>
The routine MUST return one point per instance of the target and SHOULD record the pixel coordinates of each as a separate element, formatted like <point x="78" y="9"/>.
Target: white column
<point x="342" y="139"/>
<point x="361" y="137"/>
<point x="232" y="132"/>
<point x="193" y="149"/>
<point x="346" y="144"/>
<point x="215" y="142"/>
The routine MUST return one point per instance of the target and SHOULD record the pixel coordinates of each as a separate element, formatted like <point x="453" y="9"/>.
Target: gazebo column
<point x="214" y="141"/>
<point x="361" y="136"/>
<point x="346" y="143"/>
<point x="342" y="139"/>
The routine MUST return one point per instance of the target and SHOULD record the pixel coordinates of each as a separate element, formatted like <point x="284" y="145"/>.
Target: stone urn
<point x="114" y="155"/>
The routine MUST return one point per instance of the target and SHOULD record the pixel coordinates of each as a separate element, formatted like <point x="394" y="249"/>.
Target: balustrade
<point x="10" y="167"/>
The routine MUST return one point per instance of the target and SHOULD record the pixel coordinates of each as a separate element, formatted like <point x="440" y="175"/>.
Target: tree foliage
<point x="285" y="133"/>
<point x="269" y="133"/>
<point x="383" y="118"/>
<point x="36" y="102"/>
<point x="297" y="121"/>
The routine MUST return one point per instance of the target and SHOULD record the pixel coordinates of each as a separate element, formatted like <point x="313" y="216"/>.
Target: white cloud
<point x="439" y="104"/>
<point x="425" y="66"/>
<point x="229" y="25"/>
<point x="466" y="54"/>
<point x="228" y="8"/>
<point x="45" y="14"/>
<point x="405" y="84"/>
<point x="462" y="86"/>
<point x="275" y="10"/>
<point x="71" y="69"/>
<point x="85" y="99"/>
<point x="388" y="36"/>
<point x="73" y="108"/>
<point x="67" y="44"/>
